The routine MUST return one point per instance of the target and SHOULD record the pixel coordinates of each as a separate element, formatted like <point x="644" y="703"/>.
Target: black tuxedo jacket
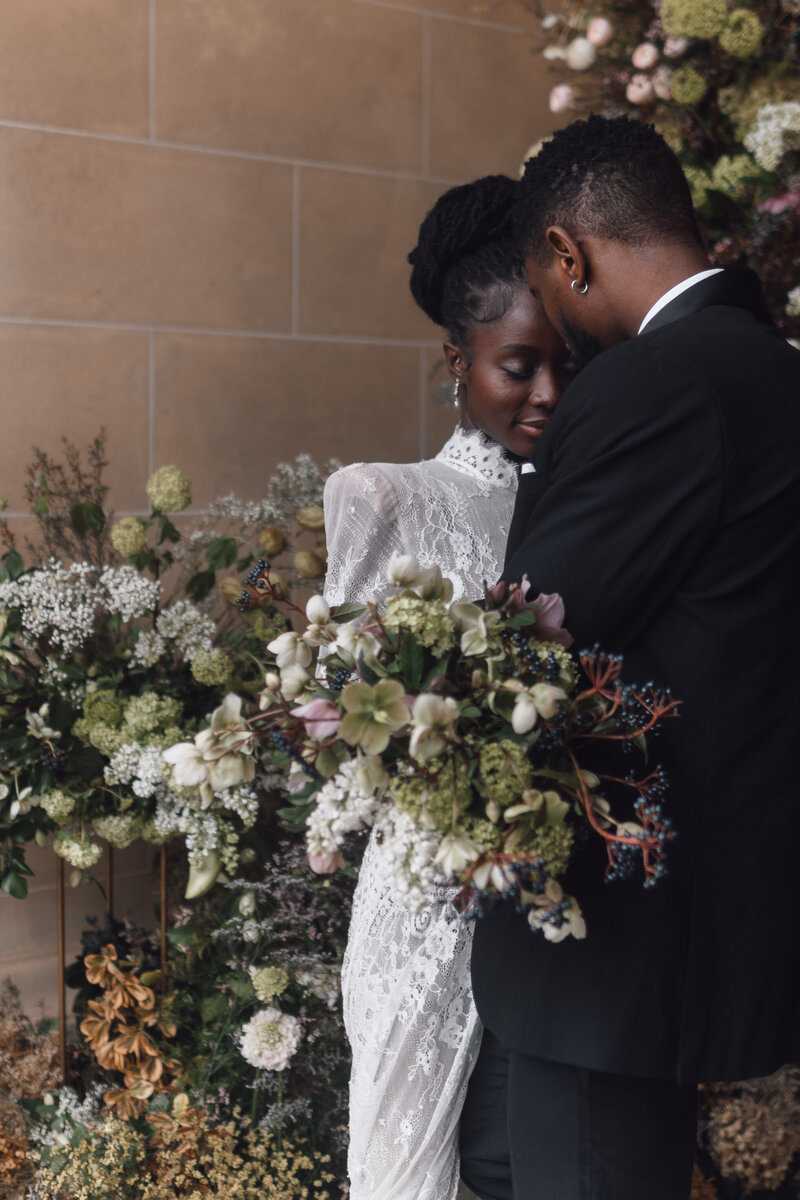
<point x="665" y="510"/>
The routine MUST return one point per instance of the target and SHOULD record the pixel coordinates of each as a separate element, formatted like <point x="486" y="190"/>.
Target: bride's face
<point x="518" y="369"/>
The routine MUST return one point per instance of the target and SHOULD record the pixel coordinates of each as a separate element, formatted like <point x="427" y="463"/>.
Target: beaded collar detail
<point x="475" y="454"/>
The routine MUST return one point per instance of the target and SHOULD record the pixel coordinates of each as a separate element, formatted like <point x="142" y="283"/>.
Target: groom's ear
<point x="569" y="258"/>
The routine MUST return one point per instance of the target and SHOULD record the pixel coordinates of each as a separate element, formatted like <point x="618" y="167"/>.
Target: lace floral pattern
<point x="408" y="1004"/>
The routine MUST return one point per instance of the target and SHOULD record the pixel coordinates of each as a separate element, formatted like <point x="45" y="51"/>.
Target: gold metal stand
<point x="163" y="918"/>
<point x="62" y="996"/>
<point x="109" y="879"/>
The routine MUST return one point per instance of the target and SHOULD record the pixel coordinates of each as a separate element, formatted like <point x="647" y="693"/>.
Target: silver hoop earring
<point x="578" y="290"/>
<point x="457" y="393"/>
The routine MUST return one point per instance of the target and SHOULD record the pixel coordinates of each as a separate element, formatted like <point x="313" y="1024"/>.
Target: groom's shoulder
<point x="636" y="375"/>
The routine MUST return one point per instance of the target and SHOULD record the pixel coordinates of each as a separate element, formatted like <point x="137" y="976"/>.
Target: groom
<point x="665" y="508"/>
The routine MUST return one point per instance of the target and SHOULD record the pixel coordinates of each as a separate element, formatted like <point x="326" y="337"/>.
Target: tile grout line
<point x="295" y="249"/>
<point x="200" y="331"/>
<point x="151" y="65"/>
<point x="151" y="402"/>
<point x="425" y="136"/>
<point x="223" y="152"/>
<point x="501" y="26"/>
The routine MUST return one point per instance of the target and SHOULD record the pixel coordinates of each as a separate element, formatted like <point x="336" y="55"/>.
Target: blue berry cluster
<point x="283" y="744"/>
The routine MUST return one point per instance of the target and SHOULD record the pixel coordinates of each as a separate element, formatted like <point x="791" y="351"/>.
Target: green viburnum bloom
<point x="269" y="981"/>
<point x="78" y="851"/>
<point x="103" y="706"/>
<point x="688" y="86"/>
<point x="428" y="620"/>
<point x="437" y="799"/>
<point x="743" y="34"/>
<point x="694" y="18"/>
<point x="505" y="771"/>
<point x="212" y="667"/>
<point x="699" y="182"/>
<point x="120" y="829"/>
<point x="169" y="489"/>
<point x="58" y="805"/>
<point x="129" y="536"/>
<point x="372" y="714"/>
<point x="731" y="174"/>
<point x="104" y="737"/>
<point x="150" y="713"/>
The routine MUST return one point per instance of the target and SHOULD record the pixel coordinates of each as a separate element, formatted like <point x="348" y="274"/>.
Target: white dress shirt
<point x="676" y="291"/>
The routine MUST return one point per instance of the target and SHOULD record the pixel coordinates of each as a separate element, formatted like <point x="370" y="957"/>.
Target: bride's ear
<point x="456" y="363"/>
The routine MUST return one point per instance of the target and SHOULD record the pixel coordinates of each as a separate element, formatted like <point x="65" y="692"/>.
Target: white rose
<point x="599" y="31"/>
<point x="645" y="56"/>
<point x="640" y="90"/>
<point x="562" y="97"/>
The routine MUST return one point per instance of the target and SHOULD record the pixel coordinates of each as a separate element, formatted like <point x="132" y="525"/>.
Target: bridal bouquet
<point x="462" y="734"/>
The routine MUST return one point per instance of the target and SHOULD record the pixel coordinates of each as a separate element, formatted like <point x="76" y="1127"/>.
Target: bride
<point x="408" y="1006"/>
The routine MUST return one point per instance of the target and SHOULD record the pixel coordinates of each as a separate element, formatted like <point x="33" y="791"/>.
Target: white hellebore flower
<point x="220" y="757"/>
<point x="294" y="681"/>
<point x="353" y="642"/>
<point x="37" y="724"/>
<point x="321" y="629"/>
<point x="290" y="650"/>
<point x="539" y="701"/>
<point x="474" y="624"/>
<point x="432" y="720"/>
<point x="405" y="572"/>
<point x="581" y="54"/>
<point x="370" y="774"/>
<point x="455" y="853"/>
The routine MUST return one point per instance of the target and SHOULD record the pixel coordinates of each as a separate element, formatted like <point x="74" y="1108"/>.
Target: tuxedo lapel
<point x="737" y="287"/>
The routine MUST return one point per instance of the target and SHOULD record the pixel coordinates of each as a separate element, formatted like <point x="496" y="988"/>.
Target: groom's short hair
<point x="610" y="176"/>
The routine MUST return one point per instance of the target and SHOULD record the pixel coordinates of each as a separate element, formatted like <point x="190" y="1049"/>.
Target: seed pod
<point x="271" y="540"/>
<point x="309" y="564"/>
<point x="311" y="517"/>
<point x="231" y="589"/>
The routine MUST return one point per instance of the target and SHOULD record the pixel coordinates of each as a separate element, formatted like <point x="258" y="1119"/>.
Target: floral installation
<point x="462" y="734"/>
<point x="720" y="79"/>
<point x="122" y="637"/>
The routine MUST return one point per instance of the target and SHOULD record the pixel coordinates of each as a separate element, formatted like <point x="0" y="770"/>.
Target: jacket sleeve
<point x="632" y="492"/>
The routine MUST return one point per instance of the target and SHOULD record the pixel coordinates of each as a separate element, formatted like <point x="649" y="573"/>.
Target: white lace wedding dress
<point x="408" y="1004"/>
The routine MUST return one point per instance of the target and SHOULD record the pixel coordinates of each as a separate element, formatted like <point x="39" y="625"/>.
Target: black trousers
<point x="538" y="1130"/>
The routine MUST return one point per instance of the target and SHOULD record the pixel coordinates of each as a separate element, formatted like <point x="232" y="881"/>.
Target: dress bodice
<point x="453" y="511"/>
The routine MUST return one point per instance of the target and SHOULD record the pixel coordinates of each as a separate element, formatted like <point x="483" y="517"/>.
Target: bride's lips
<point x="534" y="426"/>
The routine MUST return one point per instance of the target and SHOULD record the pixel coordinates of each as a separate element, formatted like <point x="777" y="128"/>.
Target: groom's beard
<point x="583" y="346"/>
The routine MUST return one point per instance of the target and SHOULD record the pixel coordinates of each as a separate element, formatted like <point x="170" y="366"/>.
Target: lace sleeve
<point x="362" y="530"/>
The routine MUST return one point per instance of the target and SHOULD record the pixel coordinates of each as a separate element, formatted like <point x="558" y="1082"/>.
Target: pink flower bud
<point x="562" y="98"/>
<point x="674" y="47"/>
<point x="599" y="31"/>
<point x="640" y="90"/>
<point x="645" y="56"/>
<point x="581" y="54"/>
<point x="326" y="864"/>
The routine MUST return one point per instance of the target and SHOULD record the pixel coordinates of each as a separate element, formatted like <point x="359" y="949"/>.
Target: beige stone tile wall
<point x="205" y="212"/>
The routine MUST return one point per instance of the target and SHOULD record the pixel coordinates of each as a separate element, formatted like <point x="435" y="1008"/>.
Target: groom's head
<point x="606" y="224"/>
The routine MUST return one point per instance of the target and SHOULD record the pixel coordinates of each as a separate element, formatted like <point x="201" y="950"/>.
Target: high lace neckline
<point x="471" y="451"/>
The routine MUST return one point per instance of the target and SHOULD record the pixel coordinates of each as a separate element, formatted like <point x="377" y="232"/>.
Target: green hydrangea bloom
<point x="267" y="626"/>
<point x="688" y="86"/>
<point x="743" y="34"/>
<point x="212" y="667"/>
<point x="554" y="843"/>
<point x="150" y="713"/>
<point x="269" y="982"/>
<point x="694" y="18"/>
<point x="120" y="829"/>
<point x="129" y="536"/>
<point x="170" y="737"/>
<point x="58" y="805"/>
<point x="732" y="173"/>
<point x="505" y="771"/>
<point x="483" y="833"/>
<point x="103" y="706"/>
<point x="169" y="489"/>
<point x="428" y="620"/>
<point x="742" y="103"/>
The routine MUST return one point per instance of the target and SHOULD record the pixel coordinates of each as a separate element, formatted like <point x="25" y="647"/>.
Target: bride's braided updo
<point x="467" y="265"/>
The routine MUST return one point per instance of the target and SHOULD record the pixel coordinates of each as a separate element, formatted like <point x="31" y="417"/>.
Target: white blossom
<point x="775" y="133"/>
<point x="270" y="1039"/>
<point x="189" y="628"/>
<point x="126" y="591"/>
